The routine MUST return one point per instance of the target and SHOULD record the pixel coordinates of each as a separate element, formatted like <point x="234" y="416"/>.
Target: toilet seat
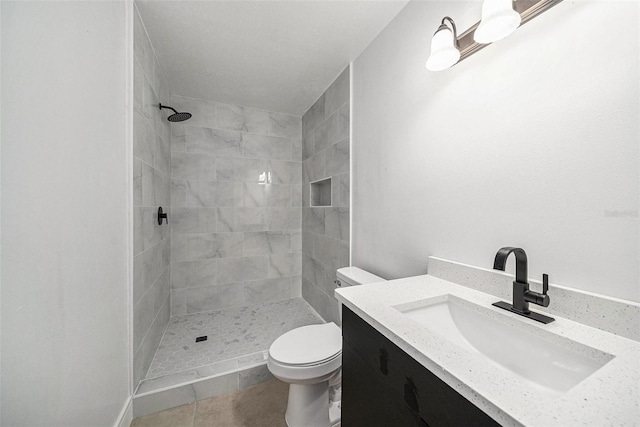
<point x="320" y="362"/>
<point x="307" y="346"/>
<point x="307" y="355"/>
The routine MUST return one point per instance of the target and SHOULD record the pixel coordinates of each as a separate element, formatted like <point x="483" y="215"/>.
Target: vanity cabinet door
<point x="361" y="405"/>
<point x="418" y="394"/>
<point x="371" y="345"/>
<point x="366" y="400"/>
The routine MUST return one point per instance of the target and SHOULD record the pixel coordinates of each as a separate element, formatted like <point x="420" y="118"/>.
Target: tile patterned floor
<point x="262" y="405"/>
<point x="231" y="332"/>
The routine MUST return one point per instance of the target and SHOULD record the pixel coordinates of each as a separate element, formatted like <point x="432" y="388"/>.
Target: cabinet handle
<point x="384" y="361"/>
<point x="411" y="399"/>
<point x="410" y="395"/>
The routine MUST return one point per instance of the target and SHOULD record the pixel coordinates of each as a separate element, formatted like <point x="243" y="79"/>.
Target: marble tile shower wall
<point x="151" y="188"/>
<point x="236" y="198"/>
<point x="325" y="230"/>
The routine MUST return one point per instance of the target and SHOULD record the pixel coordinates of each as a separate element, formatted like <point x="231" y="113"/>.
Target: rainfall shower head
<point x="177" y="117"/>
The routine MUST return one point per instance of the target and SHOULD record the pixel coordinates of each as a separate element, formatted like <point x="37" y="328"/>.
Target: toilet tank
<point x="351" y="276"/>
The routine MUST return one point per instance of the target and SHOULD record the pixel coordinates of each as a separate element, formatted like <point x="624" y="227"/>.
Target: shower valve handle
<point x="162" y="215"/>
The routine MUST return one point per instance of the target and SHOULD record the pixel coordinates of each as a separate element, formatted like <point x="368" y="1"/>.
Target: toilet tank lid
<point x="357" y="276"/>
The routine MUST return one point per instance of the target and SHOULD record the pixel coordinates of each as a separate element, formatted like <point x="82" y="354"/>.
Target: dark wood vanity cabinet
<point x="384" y="386"/>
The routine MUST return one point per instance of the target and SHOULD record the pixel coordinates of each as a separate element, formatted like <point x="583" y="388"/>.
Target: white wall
<point x="532" y="142"/>
<point x="65" y="357"/>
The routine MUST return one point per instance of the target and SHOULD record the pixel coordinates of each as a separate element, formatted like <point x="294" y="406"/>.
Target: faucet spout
<point x="500" y="262"/>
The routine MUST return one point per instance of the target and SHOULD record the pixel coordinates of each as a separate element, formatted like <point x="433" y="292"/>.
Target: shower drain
<point x="202" y="338"/>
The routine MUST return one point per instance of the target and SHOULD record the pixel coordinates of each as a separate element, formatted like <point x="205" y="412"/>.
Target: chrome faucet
<point x="522" y="295"/>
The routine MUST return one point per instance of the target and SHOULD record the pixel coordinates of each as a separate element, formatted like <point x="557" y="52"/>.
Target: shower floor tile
<point x="231" y="333"/>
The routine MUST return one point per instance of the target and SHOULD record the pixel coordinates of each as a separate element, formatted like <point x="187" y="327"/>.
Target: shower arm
<point x="163" y="106"/>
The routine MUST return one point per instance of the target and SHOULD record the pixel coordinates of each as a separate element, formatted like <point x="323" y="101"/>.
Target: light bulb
<point x="498" y="21"/>
<point x="444" y="53"/>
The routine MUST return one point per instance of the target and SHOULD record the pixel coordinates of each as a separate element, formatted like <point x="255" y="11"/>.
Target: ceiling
<point x="271" y="55"/>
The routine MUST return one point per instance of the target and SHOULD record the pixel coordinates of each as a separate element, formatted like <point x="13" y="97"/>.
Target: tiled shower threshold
<point x="233" y="357"/>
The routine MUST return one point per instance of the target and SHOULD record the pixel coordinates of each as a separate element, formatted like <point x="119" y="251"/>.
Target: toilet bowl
<point x="308" y="359"/>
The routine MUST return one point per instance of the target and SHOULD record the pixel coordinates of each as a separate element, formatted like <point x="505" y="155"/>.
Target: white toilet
<point x="309" y="358"/>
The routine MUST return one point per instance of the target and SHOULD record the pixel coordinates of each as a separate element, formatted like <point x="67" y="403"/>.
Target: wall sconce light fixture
<point x="444" y="47"/>
<point x="499" y="19"/>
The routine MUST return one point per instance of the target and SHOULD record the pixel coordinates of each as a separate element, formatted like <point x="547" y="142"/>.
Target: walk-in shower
<point x="230" y="257"/>
<point x="244" y="258"/>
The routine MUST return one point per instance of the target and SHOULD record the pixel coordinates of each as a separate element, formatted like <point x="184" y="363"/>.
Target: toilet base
<point x="308" y="405"/>
<point x="335" y="413"/>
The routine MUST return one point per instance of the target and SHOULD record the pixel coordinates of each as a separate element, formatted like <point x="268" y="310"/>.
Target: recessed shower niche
<point x="321" y="192"/>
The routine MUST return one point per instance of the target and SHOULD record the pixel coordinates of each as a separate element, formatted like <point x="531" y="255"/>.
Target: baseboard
<point x="126" y="414"/>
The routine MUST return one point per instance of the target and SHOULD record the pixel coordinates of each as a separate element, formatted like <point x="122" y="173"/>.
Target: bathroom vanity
<point x="423" y="351"/>
<point x="383" y="386"/>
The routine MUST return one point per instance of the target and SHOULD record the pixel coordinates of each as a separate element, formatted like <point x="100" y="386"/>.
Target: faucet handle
<point x="541" y="299"/>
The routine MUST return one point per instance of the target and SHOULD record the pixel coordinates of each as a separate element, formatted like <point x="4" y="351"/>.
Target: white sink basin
<point x="542" y="358"/>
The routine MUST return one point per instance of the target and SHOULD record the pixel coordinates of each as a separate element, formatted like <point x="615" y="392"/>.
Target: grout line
<point x="147" y="334"/>
<point x="242" y="282"/>
<point x="153" y="50"/>
<point x="238" y="306"/>
<point x="153" y="284"/>
<point x="234" y="105"/>
<point x="151" y="247"/>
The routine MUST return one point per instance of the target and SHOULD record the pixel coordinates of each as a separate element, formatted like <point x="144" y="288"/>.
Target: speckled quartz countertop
<point x="610" y="396"/>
